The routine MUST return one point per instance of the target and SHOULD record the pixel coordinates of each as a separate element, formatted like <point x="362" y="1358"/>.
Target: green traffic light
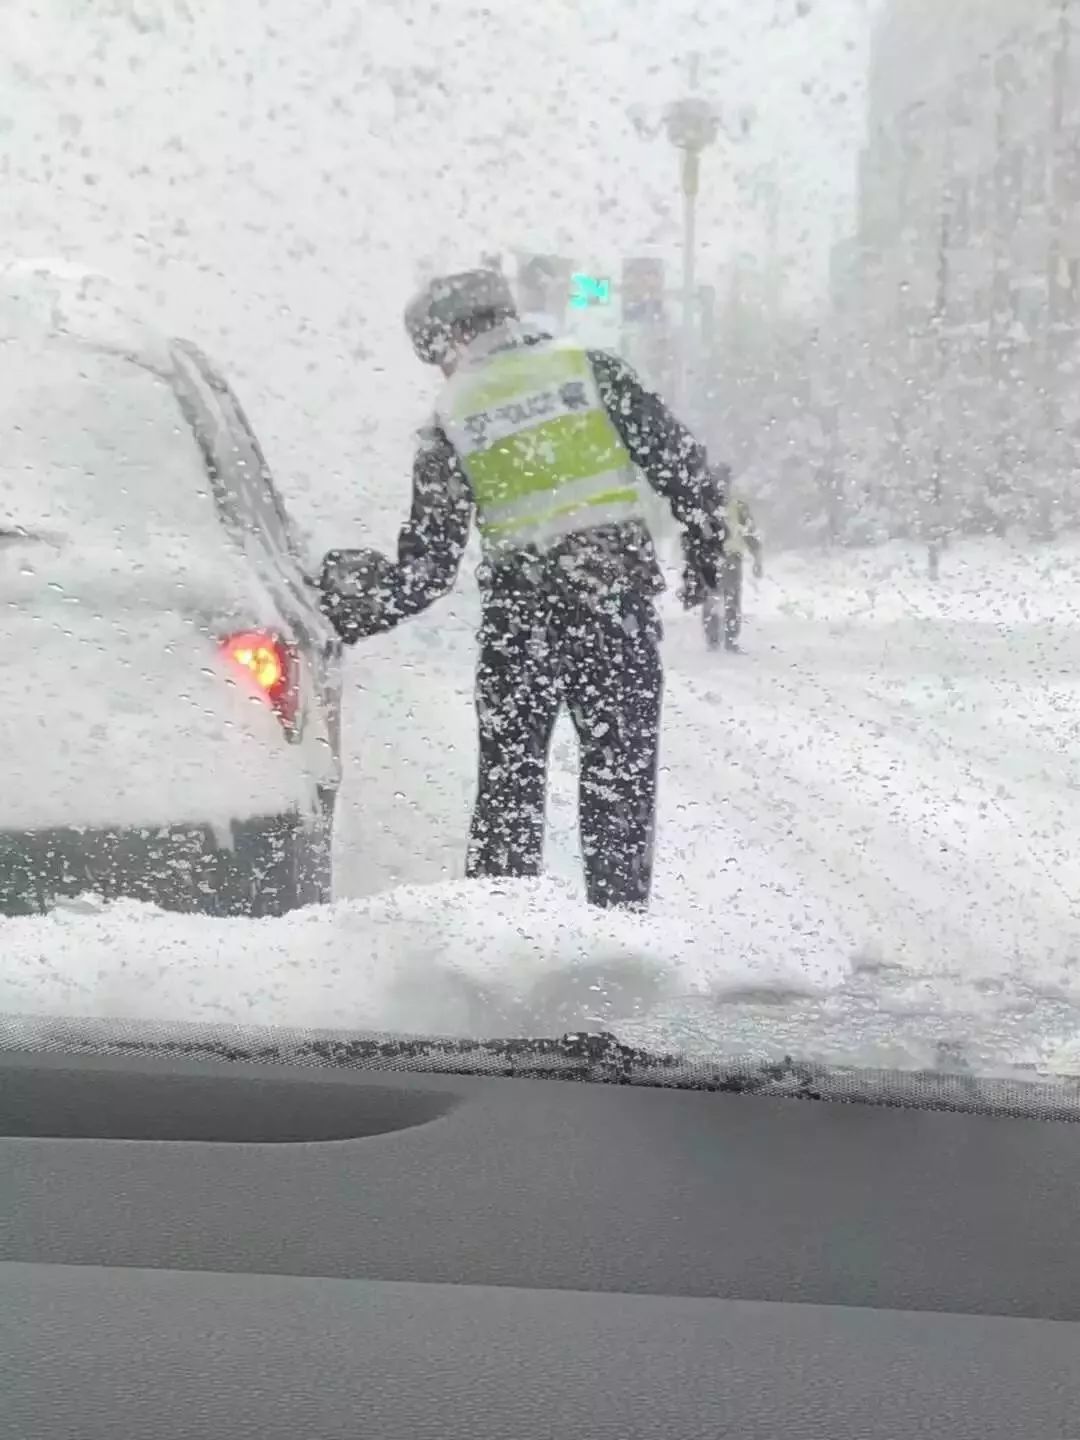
<point x="586" y="290"/>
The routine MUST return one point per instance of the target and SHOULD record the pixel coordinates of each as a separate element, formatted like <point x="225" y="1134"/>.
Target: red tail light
<point x="271" y="663"/>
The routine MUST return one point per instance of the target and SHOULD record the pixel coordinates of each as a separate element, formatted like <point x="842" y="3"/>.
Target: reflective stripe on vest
<point x="542" y="456"/>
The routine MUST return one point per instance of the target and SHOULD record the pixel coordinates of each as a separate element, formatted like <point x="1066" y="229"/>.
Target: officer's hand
<point x="359" y="592"/>
<point x="759" y="570"/>
<point x="351" y="572"/>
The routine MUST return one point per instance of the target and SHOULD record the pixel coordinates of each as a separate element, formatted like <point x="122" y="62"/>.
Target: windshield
<point x="687" y="415"/>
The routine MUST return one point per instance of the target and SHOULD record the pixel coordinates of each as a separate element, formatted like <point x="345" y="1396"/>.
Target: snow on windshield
<point x="811" y="763"/>
<point x="93" y="440"/>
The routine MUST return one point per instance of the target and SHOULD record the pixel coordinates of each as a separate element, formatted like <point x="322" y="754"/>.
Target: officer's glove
<point x="360" y="593"/>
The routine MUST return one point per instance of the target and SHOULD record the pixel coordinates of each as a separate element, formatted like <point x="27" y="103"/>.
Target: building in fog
<point x="762" y="406"/>
<point x="956" y="304"/>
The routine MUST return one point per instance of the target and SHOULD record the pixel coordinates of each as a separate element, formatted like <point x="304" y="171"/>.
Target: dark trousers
<point x="601" y="658"/>
<point x="730" y="597"/>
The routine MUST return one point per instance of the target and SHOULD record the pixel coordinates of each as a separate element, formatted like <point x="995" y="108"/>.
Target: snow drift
<point x="463" y="958"/>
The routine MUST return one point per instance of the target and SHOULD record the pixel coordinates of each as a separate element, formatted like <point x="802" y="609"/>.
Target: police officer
<point x="540" y="441"/>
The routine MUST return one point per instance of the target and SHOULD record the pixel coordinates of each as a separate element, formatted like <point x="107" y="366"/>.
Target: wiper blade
<point x="590" y="1057"/>
<point x="596" y="1057"/>
<point x="584" y="1055"/>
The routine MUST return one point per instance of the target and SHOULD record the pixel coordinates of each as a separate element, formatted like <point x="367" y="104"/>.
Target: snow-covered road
<point x="888" y="779"/>
<point x="893" y="764"/>
<point x="869" y="845"/>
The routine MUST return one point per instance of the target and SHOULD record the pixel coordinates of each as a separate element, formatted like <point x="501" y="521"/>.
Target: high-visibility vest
<point x="542" y="456"/>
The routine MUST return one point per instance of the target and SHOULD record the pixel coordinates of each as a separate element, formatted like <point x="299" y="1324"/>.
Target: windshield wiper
<point x="591" y="1057"/>
<point x="596" y="1057"/>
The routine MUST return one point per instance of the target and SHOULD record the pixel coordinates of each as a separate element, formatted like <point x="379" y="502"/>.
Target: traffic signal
<point x="588" y="290"/>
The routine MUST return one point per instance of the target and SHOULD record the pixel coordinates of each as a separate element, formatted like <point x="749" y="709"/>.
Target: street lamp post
<point x="692" y="124"/>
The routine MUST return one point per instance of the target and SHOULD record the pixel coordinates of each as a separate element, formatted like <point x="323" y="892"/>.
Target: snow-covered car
<point x="169" y="729"/>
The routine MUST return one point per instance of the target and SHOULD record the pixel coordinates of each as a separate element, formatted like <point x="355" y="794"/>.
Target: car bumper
<point x="186" y="868"/>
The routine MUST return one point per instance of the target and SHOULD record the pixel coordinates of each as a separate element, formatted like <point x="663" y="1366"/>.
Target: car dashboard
<point x="196" y="1247"/>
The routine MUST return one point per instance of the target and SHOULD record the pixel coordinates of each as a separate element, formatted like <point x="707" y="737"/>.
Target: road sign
<point x="588" y="290"/>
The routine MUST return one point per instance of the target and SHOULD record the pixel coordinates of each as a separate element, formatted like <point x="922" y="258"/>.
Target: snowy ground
<point x="869" y="846"/>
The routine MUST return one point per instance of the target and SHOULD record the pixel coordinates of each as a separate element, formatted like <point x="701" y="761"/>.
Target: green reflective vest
<point x="542" y="457"/>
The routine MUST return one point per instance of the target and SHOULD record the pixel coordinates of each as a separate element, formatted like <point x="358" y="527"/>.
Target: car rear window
<point x="92" y="441"/>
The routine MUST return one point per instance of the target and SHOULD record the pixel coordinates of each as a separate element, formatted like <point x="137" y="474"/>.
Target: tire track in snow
<point x="865" y="816"/>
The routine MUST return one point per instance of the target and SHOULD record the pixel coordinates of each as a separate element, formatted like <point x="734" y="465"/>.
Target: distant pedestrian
<point x="722" y="612"/>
